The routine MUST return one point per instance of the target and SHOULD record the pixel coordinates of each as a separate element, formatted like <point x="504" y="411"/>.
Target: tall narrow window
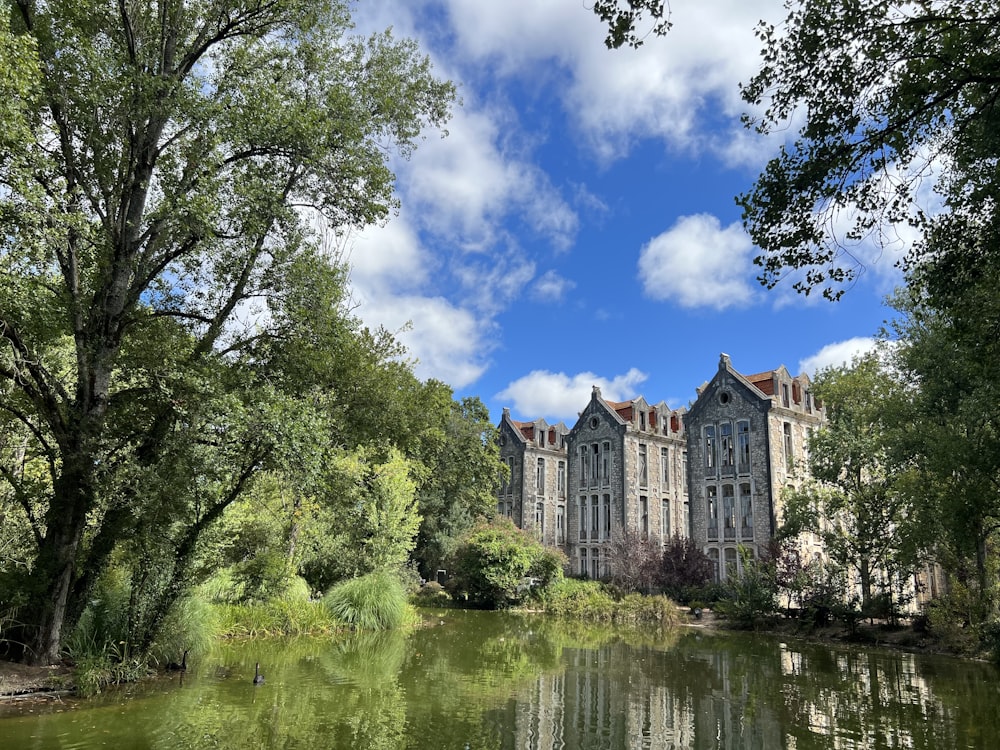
<point x="561" y="477"/>
<point x="713" y="555"/>
<point x="789" y="458"/>
<point x="584" y="519"/>
<point x="743" y="446"/>
<point x="607" y="516"/>
<point x="594" y="463"/>
<point x="728" y="449"/>
<point x="664" y="520"/>
<point x="728" y="513"/>
<point x="595" y="564"/>
<point x="732" y="569"/>
<point x="583" y="562"/>
<point x="643" y="468"/>
<point x="560" y="524"/>
<point x="713" y="513"/>
<point x="606" y="464"/>
<point x="540" y="476"/>
<point x="540" y="520"/>
<point x="809" y="402"/>
<point x="583" y="465"/>
<point x="595" y="517"/>
<point x="644" y="516"/>
<point x="711" y="459"/>
<point x="642" y="421"/>
<point x="687" y="518"/>
<point x="665" y="468"/>
<point x="684" y="470"/>
<point x="784" y="395"/>
<point x="746" y="512"/>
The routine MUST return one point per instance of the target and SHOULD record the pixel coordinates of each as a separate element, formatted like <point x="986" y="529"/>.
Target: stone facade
<point x="534" y="495"/>
<point x="747" y="440"/>
<point x="650" y="472"/>
<point x="626" y="477"/>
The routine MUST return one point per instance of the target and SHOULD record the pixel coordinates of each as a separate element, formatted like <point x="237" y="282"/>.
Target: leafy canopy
<point x="893" y="99"/>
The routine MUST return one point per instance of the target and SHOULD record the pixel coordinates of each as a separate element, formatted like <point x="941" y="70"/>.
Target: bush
<point x="375" y="601"/>
<point x="493" y="561"/>
<point x="591" y="600"/>
<point x="752" y="599"/>
<point x="684" y="569"/>
<point x="432" y="594"/>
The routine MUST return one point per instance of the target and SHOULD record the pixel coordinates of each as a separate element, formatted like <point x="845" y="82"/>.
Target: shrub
<point x="375" y="601"/>
<point x="591" y="600"/>
<point x="752" y="599"/>
<point x="432" y="594"/>
<point x="684" y="569"/>
<point x="493" y="561"/>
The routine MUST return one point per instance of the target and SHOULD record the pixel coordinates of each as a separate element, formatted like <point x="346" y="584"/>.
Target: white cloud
<point x="697" y="263"/>
<point x="665" y="89"/>
<point x="836" y="355"/>
<point x="449" y="343"/>
<point x="558" y="396"/>
<point x="551" y="287"/>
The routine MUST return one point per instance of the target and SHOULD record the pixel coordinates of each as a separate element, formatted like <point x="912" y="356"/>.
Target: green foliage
<point x="888" y="95"/>
<point x="153" y="167"/>
<point x="93" y="673"/>
<point x="461" y="465"/>
<point x="952" y="620"/>
<point x="590" y="601"/>
<point x="432" y="594"/>
<point x="857" y="504"/>
<point x="490" y="567"/>
<point x="375" y="601"/>
<point x="625" y="18"/>
<point x="751" y="599"/>
<point x="191" y="625"/>
<point x="948" y="430"/>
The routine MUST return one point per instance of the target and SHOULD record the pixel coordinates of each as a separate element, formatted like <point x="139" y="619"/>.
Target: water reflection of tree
<point x="499" y="681"/>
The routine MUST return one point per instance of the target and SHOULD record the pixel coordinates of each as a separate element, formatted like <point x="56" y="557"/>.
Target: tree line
<point x="183" y="385"/>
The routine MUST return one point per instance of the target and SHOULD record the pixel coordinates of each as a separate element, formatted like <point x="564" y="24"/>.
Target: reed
<point x="375" y="601"/>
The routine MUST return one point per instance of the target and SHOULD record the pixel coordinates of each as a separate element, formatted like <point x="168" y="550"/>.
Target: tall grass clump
<point x="375" y="601"/>
<point x="293" y="612"/>
<point x="192" y="624"/>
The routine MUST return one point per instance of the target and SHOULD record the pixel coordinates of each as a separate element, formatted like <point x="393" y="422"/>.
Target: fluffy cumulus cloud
<point x="699" y="263"/>
<point x="661" y="90"/>
<point x="836" y="355"/>
<point x="558" y="396"/>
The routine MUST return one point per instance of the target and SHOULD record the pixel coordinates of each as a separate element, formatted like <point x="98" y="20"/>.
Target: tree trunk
<point x="57" y="556"/>
<point x="866" y="582"/>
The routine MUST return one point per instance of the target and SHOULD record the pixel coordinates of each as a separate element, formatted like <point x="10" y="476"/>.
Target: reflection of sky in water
<point x="484" y="680"/>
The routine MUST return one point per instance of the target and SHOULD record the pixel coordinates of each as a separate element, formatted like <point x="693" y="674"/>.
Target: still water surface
<point x="488" y="681"/>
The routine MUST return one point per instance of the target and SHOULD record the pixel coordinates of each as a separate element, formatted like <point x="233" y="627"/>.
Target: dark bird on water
<point x="258" y="678"/>
<point x="182" y="667"/>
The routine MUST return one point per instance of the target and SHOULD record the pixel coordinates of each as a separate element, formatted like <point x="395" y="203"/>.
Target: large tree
<point x="889" y="99"/>
<point x="949" y="353"/>
<point x="156" y="226"/>
<point x="856" y="505"/>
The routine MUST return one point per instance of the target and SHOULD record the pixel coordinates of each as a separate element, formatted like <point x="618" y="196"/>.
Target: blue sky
<point x="577" y="226"/>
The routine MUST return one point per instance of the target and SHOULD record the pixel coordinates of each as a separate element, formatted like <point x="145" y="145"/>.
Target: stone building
<point x="626" y="478"/>
<point x="632" y="469"/>
<point x="747" y="440"/>
<point x="534" y="493"/>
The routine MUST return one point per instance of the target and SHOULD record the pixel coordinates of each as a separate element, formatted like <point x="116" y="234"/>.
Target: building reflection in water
<point x="766" y="695"/>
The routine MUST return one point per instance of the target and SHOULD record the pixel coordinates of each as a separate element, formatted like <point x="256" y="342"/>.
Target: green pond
<point x="486" y="680"/>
